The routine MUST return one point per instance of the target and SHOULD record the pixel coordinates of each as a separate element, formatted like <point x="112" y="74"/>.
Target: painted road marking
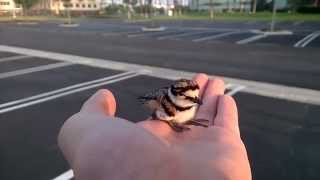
<point x="297" y="94"/>
<point x="144" y="33"/>
<point x="298" y="23"/>
<point x="65" y="93"/>
<point x="34" y="69"/>
<point x="65" y="176"/>
<point x="306" y="40"/>
<point x="50" y="93"/>
<point x="216" y="36"/>
<point x="252" y="38"/>
<point x="235" y="90"/>
<point x="12" y="58"/>
<point x="310" y="39"/>
<point x="170" y="36"/>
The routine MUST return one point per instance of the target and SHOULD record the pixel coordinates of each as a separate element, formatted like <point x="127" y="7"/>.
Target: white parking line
<point x="12" y="58"/>
<point x="34" y="69"/>
<point x="310" y="39"/>
<point x="252" y="38"/>
<point x="298" y="23"/>
<point x="55" y="96"/>
<point x="306" y="40"/>
<point x="235" y="90"/>
<point x="50" y="93"/>
<point x="65" y="176"/>
<point x="180" y="35"/>
<point x="142" y="33"/>
<point x="216" y="36"/>
<point x="253" y="87"/>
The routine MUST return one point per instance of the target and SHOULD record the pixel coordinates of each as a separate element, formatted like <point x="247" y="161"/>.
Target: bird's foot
<point x="177" y="127"/>
<point x="199" y="122"/>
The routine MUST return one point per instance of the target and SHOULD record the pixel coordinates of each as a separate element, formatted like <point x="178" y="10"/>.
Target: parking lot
<point x="43" y="83"/>
<point x="297" y="34"/>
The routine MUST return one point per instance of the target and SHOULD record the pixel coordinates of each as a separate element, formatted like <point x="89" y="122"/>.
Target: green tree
<point x="26" y="4"/>
<point x="67" y="6"/>
<point x="130" y="4"/>
<point x="299" y="3"/>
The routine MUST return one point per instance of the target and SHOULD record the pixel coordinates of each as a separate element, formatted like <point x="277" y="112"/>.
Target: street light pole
<point x="274" y="11"/>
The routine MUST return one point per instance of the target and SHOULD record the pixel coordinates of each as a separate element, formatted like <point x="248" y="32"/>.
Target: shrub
<point x="309" y="10"/>
<point x="114" y="9"/>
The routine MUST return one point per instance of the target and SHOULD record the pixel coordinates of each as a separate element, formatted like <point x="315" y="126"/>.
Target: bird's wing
<point x="153" y="95"/>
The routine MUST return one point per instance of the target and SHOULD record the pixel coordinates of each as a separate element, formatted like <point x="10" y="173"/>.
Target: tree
<point x="67" y="5"/>
<point x="130" y="4"/>
<point x="299" y="3"/>
<point x="26" y="4"/>
<point x="254" y="6"/>
<point x="211" y="6"/>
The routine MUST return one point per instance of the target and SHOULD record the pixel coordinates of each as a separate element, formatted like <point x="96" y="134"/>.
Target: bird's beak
<point x="198" y="101"/>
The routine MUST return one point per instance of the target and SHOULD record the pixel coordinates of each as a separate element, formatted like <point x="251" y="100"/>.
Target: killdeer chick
<point x="176" y="105"/>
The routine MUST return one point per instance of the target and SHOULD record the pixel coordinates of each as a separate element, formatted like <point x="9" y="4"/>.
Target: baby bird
<point x="176" y="105"/>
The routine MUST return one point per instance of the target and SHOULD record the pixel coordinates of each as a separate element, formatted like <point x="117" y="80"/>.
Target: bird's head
<point x="185" y="92"/>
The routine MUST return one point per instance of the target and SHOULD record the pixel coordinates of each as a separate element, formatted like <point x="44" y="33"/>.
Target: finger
<point x="227" y="115"/>
<point x="208" y="109"/>
<point x="202" y="80"/>
<point x="102" y="101"/>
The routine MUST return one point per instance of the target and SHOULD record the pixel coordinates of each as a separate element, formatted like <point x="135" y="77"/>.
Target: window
<point x="83" y="5"/>
<point x="95" y="6"/>
<point x="77" y="5"/>
<point x="4" y="3"/>
<point x="89" y="5"/>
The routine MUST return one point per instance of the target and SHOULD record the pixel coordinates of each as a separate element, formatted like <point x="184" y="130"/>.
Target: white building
<point x="75" y="5"/>
<point x="165" y="4"/>
<point x="8" y="6"/>
<point x="220" y="5"/>
<point x="105" y="3"/>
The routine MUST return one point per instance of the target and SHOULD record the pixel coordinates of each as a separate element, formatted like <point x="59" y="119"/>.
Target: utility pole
<point x="274" y="11"/>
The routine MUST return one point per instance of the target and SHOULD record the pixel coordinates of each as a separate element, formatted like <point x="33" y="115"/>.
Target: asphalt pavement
<point x="37" y="96"/>
<point x="295" y="66"/>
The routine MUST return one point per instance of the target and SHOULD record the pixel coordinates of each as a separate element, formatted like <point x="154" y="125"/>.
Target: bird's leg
<point x="198" y="122"/>
<point x="177" y="127"/>
<point x="154" y="115"/>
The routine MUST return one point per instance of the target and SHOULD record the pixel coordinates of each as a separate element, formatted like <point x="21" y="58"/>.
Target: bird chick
<point x="176" y="105"/>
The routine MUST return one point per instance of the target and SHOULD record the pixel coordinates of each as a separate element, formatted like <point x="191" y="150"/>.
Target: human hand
<point x="100" y="146"/>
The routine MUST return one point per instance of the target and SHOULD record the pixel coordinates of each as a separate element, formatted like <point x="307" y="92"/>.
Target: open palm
<point x="100" y="146"/>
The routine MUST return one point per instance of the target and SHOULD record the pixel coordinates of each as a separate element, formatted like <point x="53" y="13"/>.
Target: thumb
<point x="102" y="101"/>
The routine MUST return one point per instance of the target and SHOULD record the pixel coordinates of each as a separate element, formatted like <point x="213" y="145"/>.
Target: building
<point x="105" y="3"/>
<point x="220" y="5"/>
<point x="9" y="6"/>
<point x="75" y="5"/>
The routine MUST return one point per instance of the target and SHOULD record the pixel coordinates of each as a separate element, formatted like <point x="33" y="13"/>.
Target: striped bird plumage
<point x="176" y="104"/>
